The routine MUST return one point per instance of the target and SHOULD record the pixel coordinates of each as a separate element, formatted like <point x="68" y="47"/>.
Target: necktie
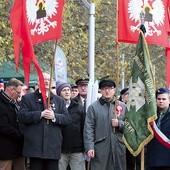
<point x="84" y="104"/>
<point x="159" y="120"/>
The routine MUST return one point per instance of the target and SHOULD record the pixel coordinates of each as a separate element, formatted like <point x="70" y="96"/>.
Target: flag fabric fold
<point x="33" y="22"/>
<point x="141" y="105"/>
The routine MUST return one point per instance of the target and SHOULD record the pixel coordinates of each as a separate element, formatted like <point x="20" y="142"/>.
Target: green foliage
<point x="74" y="42"/>
<point x="6" y="46"/>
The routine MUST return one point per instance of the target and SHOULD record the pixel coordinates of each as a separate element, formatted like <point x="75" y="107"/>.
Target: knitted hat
<point x="60" y="86"/>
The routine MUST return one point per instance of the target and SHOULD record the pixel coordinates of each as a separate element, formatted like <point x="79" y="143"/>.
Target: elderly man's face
<point x="108" y="92"/>
<point x="82" y="88"/>
<point x="46" y="80"/>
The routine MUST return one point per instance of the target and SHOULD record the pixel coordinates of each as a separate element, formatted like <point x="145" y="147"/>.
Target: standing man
<point x="158" y="155"/>
<point x="103" y="131"/>
<point x="124" y="94"/>
<point x="42" y="138"/>
<point x="11" y="137"/>
<point x="82" y="85"/>
<point x="72" y="145"/>
<point x="74" y="90"/>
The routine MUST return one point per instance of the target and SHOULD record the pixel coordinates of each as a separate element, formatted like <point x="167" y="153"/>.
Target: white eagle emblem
<point x="152" y="12"/>
<point x="39" y="14"/>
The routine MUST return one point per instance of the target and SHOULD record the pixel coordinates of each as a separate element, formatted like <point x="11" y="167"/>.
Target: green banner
<point x="141" y="105"/>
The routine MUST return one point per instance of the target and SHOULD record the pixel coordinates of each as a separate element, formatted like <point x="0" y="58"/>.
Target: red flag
<point x="168" y="67"/>
<point x="167" y="53"/>
<point x="32" y="22"/>
<point x="155" y="18"/>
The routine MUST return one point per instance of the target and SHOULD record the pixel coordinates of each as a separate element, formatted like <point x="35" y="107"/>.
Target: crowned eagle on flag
<point x="33" y="22"/>
<point x="154" y="15"/>
<point x="44" y="17"/>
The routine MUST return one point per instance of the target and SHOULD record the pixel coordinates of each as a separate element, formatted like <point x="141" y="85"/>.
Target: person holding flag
<point x="42" y="138"/>
<point x="103" y="131"/>
<point x="158" y="155"/>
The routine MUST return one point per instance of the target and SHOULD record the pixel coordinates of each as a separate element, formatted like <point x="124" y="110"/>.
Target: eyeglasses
<point x="53" y="87"/>
<point x="18" y="92"/>
<point x="107" y="88"/>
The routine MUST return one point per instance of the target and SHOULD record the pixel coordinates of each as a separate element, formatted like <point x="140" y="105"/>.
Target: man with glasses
<point x="42" y="138"/>
<point x="103" y="130"/>
<point x="82" y="85"/>
<point x="11" y="137"/>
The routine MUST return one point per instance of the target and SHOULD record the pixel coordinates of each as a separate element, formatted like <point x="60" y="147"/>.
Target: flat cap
<point x="124" y="91"/>
<point x="82" y="80"/>
<point x="108" y="82"/>
<point x="162" y="91"/>
<point x="73" y="85"/>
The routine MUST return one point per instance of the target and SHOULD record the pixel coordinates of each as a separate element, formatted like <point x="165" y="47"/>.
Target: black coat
<point x="42" y="140"/>
<point x="11" y="138"/>
<point x="73" y="133"/>
<point x="157" y="153"/>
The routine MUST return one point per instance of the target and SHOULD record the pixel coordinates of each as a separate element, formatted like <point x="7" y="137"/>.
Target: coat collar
<point x="102" y="101"/>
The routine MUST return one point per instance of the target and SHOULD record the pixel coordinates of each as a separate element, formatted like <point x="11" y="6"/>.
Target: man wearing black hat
<point x="74" y="90"/>
<point x="124" y="95"/>
<point x="82" y="85"/>
<point x="103" y="130"/>
<point x="158" y="155"/>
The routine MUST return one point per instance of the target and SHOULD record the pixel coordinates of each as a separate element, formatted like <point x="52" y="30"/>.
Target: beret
<point x="162" y="91"/>
<point x="82" y="80"/>
<point x="73" y="85"/>
<point x="60" y="86"/>
<point x="123" y="91"/>
<point x="104" y="83"/>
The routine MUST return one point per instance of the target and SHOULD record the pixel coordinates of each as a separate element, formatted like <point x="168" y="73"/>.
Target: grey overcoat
<point x="110" y="150"/>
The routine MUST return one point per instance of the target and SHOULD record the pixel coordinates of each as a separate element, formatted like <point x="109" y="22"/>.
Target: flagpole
<point x="51" y="76"/>
<point x="142" y="159"/>
<point x="117" y="61"/>
<point x="143" y="31"/>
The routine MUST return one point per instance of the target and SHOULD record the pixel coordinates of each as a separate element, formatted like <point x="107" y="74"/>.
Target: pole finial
<point x="142" y="18"/>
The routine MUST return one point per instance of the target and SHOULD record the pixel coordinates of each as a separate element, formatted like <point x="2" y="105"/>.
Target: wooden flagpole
<point x="142" y="159"/>
<point x="51" y="75"/>
<point x="117" y="61"/>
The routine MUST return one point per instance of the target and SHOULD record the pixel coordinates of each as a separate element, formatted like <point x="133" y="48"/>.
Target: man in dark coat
<point x="72" y="145"/>
<point x="42" y="138"/>
<point x="158" y="155"/>
<point x="11" y="137"/>
<point x="82" y="84"/>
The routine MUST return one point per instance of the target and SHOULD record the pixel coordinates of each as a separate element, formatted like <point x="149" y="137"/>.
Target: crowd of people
<point x="64" y="136"/>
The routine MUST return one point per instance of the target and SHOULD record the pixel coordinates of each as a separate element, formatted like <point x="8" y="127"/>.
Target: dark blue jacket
<point x="73" y="133"/>
<point x="42" y="140"/>
<point x="157" y="153"/>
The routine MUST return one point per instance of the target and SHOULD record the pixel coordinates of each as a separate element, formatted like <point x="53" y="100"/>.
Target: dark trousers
<point x="43" y="164"/>
<point x="160" y="168"/>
